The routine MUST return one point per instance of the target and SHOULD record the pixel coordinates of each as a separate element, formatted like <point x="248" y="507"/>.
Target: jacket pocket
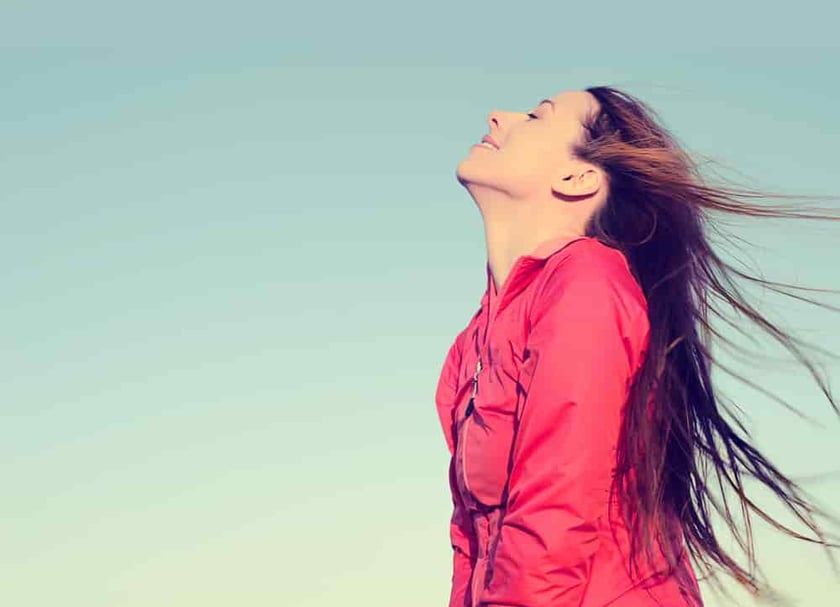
<point x="487" y="433"/>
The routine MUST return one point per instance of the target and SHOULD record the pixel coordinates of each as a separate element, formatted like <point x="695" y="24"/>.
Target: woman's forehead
<point x="575" y="103"/>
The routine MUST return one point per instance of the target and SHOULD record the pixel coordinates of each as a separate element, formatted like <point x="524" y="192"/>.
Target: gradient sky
<point x="235" y="254"/>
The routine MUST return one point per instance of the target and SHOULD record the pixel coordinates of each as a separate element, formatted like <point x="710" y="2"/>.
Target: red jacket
<point x="530" y="396"/>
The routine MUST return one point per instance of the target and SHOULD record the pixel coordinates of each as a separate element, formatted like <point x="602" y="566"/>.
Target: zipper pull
<point x="475" y="377"/>
<point x="471" y="404"/>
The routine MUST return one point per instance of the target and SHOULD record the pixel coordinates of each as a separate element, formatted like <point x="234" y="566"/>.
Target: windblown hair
<point x="657" y="213"/>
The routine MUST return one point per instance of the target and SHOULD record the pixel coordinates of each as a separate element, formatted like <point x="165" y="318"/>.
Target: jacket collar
<point x="524" y="270"/>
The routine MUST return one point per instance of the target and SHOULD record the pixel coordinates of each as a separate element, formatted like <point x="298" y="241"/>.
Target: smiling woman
<point x="577" y="403"/>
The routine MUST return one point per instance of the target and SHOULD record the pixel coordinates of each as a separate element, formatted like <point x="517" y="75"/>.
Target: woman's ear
<point x="585" y="181"/>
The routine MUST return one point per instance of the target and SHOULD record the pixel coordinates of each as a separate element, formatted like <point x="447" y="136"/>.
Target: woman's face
<point x="533" y="156"/>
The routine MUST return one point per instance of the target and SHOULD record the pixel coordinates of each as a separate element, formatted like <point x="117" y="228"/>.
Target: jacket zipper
<point x="462" y="441"/>
<point x="471" y="404"/>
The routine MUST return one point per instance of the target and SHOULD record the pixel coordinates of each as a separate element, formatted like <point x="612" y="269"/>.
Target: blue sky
<point x="235" y="254"/>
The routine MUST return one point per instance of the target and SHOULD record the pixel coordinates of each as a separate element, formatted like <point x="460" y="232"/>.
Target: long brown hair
<point x="657" y="213"/>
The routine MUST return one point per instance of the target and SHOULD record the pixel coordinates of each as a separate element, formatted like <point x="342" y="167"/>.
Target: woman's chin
<point x="468" y="170"/>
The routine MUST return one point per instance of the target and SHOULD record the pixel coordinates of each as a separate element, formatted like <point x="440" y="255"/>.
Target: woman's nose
<point x="494" y="119"/>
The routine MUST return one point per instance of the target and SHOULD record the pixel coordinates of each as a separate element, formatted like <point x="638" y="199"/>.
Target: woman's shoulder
<point x="590" y="263"/>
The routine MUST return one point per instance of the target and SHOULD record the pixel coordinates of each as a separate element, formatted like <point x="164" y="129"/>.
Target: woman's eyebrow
<point x="547" y="101"/>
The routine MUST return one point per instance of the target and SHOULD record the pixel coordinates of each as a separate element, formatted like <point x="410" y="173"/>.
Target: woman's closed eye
<point x="532" y="116"/>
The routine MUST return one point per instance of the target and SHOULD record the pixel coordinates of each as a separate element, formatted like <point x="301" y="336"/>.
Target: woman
<point x="577" y="403"/>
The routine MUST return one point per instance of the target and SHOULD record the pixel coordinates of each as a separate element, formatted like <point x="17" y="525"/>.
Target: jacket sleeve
<point x="588" y="330"/>
<point x="460" y="529"/>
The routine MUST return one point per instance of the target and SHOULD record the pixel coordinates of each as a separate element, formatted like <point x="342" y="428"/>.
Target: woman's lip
<point x="482" y="146"/>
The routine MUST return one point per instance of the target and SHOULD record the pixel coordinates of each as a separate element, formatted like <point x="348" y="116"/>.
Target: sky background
<point x="235" y="254"/>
